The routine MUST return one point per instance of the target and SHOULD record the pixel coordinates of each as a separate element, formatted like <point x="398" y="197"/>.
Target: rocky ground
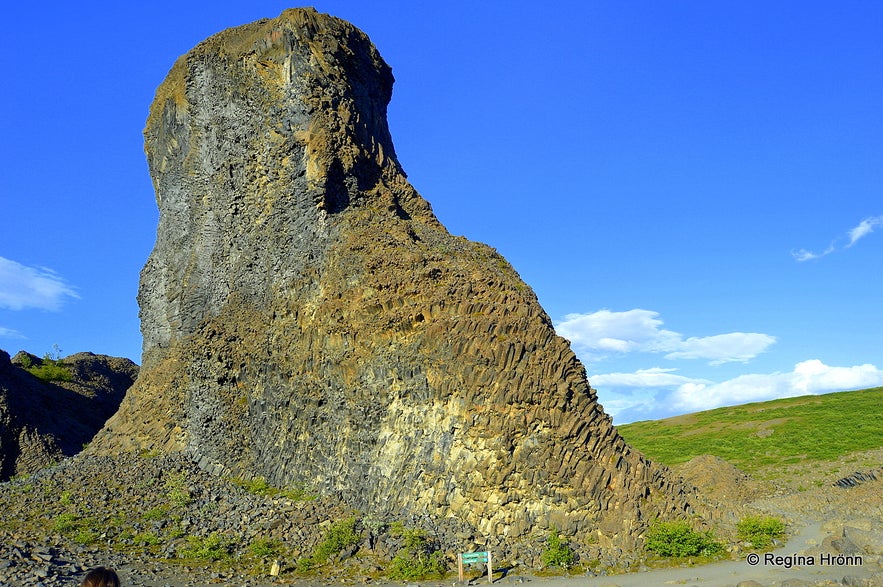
<point x="154" y="522"/>
<point x="64" y="520"/>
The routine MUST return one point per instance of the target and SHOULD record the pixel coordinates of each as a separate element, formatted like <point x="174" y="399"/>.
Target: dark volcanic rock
<point x="307" y="319"/>
<point x="858" y="478"/>
<point x="42" y="422"/>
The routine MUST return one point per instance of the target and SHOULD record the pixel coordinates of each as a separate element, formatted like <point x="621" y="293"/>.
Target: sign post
<point x="469" y="558"/>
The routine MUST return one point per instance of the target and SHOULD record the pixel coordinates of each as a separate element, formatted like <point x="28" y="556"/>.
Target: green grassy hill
<point x="758" y="436"/>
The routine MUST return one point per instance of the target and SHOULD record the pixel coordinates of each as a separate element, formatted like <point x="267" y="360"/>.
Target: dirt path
<point x="732" y="572"/>
<point x="815" y="515"/>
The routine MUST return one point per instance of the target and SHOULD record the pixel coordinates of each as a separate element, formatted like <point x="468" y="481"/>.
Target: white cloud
<point x="864" y="228"/>
<point x="807" y="378"/>
<point x="658" y="393"/>
<point x="654" y="377"/>
<point x="24" y="287"/>
<point x="622" y="332"/>
<point x="814" y="376"/>
<point x="723" y="348"/>
<point x="640" y="330"/>
<point x="635" y="404"/>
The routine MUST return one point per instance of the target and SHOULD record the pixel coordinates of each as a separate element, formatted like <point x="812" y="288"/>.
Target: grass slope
<point x="767" y="434"/>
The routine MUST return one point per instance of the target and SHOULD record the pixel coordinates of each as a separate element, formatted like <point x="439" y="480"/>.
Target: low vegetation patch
<point x="679" y="539"/>
<point x="86" y="536"/>
<point x="178" y="491"/>
<point x="341" y="535"/>
<point x="65" y="522"/>
<point x="157" y="513"/>
<point x="213" y="547"/>
<point x="417" y="559"/>
<point x="50" y="368"/>
<point x="263" y="548"/>
<point x="260" y="486"/>
<point x="145" y="539"/>
<point x="760" y="531"/>
<point x="257" y="486"/>
<point x="557" y="553"/>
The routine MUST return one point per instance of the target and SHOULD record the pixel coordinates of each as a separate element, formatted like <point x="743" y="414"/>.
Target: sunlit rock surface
<point x="307" y="319"/>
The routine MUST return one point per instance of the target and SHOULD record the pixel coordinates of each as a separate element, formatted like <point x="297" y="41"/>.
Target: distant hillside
<point x="767" y="434"/>
<point x="50" y="408"/>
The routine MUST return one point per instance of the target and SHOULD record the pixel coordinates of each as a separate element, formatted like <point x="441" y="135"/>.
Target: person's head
<point x="101" y="577"/>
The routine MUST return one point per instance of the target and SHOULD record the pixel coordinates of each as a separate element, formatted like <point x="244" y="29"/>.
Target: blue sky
<point x="693" y="189"/>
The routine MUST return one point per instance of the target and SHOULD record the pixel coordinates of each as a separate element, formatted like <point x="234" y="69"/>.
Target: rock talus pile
<point x="306" y="317"/>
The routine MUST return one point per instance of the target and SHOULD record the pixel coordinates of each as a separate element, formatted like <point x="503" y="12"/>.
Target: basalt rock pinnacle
<point x="306" y="317"/>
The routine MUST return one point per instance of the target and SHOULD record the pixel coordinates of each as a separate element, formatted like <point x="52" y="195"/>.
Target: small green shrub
<point x="145" y="539"/>
<point x="211" y="548"/>
<point x="418" y="558"/>
<point x="157" y="513"/>
<point x="298" y="493"/>
<point x="86" y="536"/>
<point x="51" y="370"/>
<point x="262" y="548"/>
<point x="257" y="486"/>
<point x="178" y="492"/>
<point x="760" y="531"/>
<point x="175" y="531"/>
<point x="65" y="523"/>
<point x="260" y="486"/>
<point x="679" y="539"/>
<point x="557" y="553"/>
<point x="340" y="535"/>
<point x="179" y="497"/>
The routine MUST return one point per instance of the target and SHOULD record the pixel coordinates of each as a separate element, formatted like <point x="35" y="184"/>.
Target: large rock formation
<point x="306" y="317"/>
<point x="41" y="421"/>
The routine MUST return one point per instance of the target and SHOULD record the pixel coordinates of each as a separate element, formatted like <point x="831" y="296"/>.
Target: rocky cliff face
<point x="42" y="422"/>
<point x="306" y="317"/>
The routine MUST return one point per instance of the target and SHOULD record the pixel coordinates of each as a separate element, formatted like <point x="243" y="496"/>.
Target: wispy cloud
<point x="864" y="228"/>
<point x="658" y="393"/>
<point x="723" y="348"/>
<point x="804" y="255"/>
<point x="24" y="287"/>
<point x="10" y="333"/>
<point x="654" y="377"/>
<point x="598" y="333"/>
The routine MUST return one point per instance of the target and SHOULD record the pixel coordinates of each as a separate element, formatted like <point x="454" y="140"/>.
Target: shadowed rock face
<point x="43" y="422"/>
<point x="306" y="317"/>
